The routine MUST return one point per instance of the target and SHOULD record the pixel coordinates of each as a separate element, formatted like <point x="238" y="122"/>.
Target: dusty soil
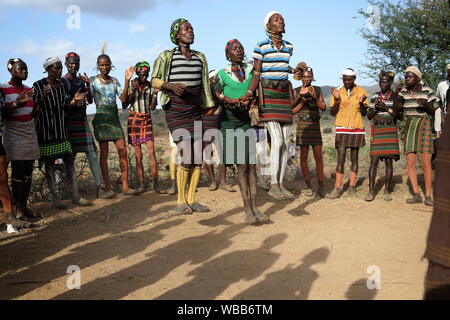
<point x="138" y="248"/>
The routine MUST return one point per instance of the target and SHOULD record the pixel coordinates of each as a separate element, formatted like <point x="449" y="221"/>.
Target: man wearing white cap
<point x="271" y="70"/>
<point x="52" y="98"/>
<point x="349" y="104"/>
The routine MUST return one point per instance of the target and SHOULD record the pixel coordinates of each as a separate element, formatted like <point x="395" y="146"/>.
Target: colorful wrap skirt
<point x="106" y="124"/>
<point x="418" y="135"/>
<point x="80" y="136"/>
<point x="276" y="101"/>
<point x="140" y="128"/>
<point x="350" y="138"/>
<point x="384" y="138"/>
<point x="308" y="129"/>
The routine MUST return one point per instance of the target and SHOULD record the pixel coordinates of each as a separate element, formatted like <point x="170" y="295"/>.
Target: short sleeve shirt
<point x="275" y="63"/>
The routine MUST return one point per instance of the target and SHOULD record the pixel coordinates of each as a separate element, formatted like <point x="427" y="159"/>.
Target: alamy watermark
<point x="373" y="21"/>
<point x="74" y="280"/>
<point x="74" y="20"/>
<point x="374" y="280"/>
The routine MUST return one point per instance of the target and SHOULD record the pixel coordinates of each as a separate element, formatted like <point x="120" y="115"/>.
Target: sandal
<point x="250" y="218"/>
<point x="226" y="187"/>
<point x="276" y="194"/>
<point x="197" y="207"/>
<point x="287" y="194"/>
<point x="261" y="217"/>
<point x="369" y="198"/>
<point x="387" y="196"/>
<point x="264" y="186"/>
<point x="308" y="192"/>
<point x="184" y="209"/>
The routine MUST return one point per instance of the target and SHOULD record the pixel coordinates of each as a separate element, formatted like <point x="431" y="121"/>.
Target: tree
<point x="408" y="33"/>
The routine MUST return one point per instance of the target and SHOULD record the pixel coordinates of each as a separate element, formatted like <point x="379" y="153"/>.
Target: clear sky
<point x="324" y="32"/>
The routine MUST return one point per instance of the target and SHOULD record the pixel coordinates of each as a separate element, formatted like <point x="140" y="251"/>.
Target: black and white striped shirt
<point x="50" y="124"/>
<point x="184" y="71"/>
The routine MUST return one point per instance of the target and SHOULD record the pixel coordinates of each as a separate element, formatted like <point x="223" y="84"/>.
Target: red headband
<point x="228" y="44"/>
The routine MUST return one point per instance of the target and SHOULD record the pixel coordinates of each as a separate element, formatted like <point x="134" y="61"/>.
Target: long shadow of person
<point x="119" y="246"/>
<point x="358" y="291"/>
<point x="160" y="263"/>
<point x="213" y="277"/>
<point x="290" y="283"/>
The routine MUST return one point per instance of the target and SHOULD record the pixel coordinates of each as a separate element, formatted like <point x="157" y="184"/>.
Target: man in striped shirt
<point x="271" y="73"/>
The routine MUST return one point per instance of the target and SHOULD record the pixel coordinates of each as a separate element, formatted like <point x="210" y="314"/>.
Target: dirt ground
<point x="138" y="248"/>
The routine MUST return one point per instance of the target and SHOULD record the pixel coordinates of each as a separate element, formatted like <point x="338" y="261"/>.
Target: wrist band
<point x="256" y="73"/>
<point x="249" y="91"/>
<point x="157" y="83"/>
<point x="221" y="96"/>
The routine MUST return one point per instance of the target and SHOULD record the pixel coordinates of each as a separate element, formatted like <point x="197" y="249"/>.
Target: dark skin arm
<point x="337" y="102"/>
<point x="398" y="102"/>
<point x="362" y="107"/>
<point x="428" y="106"/>
<point x="154" y="100"/>
<point x="85" y="79"/>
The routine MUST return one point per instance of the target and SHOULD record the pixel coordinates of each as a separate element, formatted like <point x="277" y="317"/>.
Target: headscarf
<point x="11" y="63"/>
<point x="389" y="74"/>
<point x="175" y="28"/>
<point x="51" y="61"/>
<point x="349" y="72"/>
<point x="415" y="71"/>
<point x="229" y="44"/>
<point x="212" y="74"/>
<point x="141" y="65"/>
<point x="72" y="55"/>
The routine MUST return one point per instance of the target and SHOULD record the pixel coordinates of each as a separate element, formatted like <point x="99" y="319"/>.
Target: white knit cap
<point x="349" y="72"/>
<point x="268" y="16"/>
<point x="212" y="74"/>
<point x="51" y="61"/>
<point x="448" y="67"/>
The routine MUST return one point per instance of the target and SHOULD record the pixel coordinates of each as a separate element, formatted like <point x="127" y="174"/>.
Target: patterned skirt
<point x="20" y="141"/>
<point x="80" y="136"/>
<point x="384" y="139"/>
<point x="308" y="130"/>
<point x="106" y="124"/>
<point x="349" y="140"/>
<point x="140" y="128"/>
<point x="418" y="136"/>
<point x="183" y="111"/>
<point x="276" y="102"/>
<point x="54" y="150"/>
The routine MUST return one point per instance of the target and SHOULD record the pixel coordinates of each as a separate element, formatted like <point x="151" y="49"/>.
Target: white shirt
<point x="441" y="94"/>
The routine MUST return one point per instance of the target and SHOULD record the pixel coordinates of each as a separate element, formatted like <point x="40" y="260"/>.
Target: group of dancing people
<point x="236" y="110"/>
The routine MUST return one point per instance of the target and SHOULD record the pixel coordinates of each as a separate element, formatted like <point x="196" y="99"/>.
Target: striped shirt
<point x="275" y="63"/>
<point x="50" y="125"/>
<point x="184" y="71"/>
<point x="21" y="114"/>
<point x="105" y="93"/>
<point x="411" y="107"/>
<point x="389" y="103"/>
<point x="141" y="101"/>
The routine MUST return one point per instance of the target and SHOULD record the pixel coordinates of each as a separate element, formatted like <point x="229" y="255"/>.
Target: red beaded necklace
<point x="387" y="97"/>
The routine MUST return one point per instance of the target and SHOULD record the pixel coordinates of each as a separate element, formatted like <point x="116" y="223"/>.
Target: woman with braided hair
<point x="20" y="146"/>
<point x="231" y="86"/>
<point x="142" y="99"/>
<point x="308" y="126"/>
<point x="384" y="138"/>
<point x="106" y="123"/>
<point x="182" y="75"/>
